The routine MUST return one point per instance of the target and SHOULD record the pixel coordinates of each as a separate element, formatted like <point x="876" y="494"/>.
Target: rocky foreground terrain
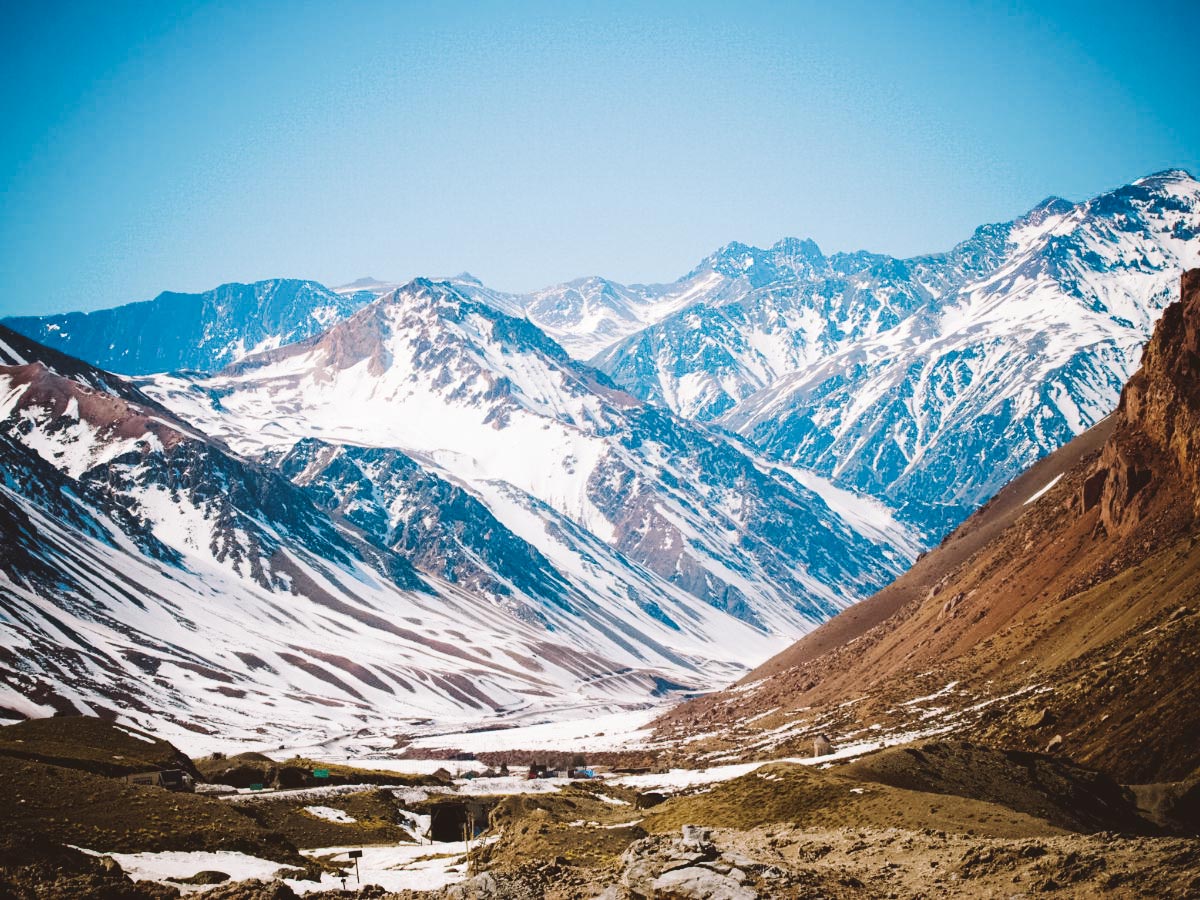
<point x="930" y="819"/>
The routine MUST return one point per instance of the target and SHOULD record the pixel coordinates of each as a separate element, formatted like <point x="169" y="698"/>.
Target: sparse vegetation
<point x="244" y="769"/>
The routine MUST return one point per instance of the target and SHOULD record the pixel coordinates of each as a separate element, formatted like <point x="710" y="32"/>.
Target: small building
<point x="649" y="799"/>
<point x="169" y="779"/>
<point x="452" y="820"/>
<point x="822" y="746"/>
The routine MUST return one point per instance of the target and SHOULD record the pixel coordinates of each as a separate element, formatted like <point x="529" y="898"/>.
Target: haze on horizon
<point x="148" y="149"/>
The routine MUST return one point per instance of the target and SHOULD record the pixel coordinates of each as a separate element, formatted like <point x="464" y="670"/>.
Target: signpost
<point x="320" y="773"/>
<point x="356" y="855"/>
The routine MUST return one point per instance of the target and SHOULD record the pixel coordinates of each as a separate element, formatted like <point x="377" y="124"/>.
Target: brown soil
<point x="91" y="744"/>
<point x="375" y="813"/>
<point x="868" y="863"/>
<point x="545" y="828"/>
<point x="85" y="810"/>
<point x="33" y="867"/>
<point x="805" y="797"/>
<point x="1055" y="790"/>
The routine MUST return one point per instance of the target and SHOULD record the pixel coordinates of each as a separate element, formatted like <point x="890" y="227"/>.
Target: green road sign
<point x="256" y="787"/>
<point x="320" y="773"/>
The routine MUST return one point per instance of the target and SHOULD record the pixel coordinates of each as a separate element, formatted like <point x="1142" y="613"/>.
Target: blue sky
<point x="148" y="148"/>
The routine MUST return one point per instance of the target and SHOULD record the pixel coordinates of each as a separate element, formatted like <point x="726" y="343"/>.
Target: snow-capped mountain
<point x="432" y="471"/>
<point x="194" y="331"/>
<point x="153" y="569"/>
<point x="935" y="414"/>
<point x="878" y="373"/>
<point x="148" y="571"/>
<point x="485" y="401"/>
<point x="886" y="374"/>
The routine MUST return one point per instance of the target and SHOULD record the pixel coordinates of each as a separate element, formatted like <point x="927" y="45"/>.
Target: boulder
<point x="699" y="883"/>
<point x="1038" y="719"/>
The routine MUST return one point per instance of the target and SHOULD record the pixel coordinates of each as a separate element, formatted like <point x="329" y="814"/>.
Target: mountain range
<point x="188" y="562"/>
<point x="511" y="504"/>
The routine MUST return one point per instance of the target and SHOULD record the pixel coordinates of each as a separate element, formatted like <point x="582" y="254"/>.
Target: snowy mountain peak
<point x="798" y="247"/>
<point x="1167" y="176"/>
<point x="1051" y="206"/>
<point x="759" y="266"/>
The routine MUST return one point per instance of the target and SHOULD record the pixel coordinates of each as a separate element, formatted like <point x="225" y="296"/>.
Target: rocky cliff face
<point x="437" y="525"/>
<point x="1156" y="446"/>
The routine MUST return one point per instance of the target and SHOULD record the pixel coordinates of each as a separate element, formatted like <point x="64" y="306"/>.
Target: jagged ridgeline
<point x="876" y="372"/>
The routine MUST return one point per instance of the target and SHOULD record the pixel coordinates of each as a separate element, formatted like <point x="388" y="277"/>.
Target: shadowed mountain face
<point x="1064" y="614"/>
<point x="193" y="331"/>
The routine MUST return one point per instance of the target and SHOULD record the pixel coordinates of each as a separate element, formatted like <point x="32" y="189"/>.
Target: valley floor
<point x="926" y="819"/>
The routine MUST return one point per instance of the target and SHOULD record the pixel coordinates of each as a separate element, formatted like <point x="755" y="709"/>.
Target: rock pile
<point x="689" y="866"/>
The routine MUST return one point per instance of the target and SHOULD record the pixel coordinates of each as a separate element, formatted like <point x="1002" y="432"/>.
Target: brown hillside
<point x="1073" y="615"/>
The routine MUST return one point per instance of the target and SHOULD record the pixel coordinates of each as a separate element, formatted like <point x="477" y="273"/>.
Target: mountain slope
<point x="152" y="574"/>
<point x="1063" y="614"/>
<point x="488" y="402"/>
<point x="1002" y="370"/>
<point x="193" y="331"/>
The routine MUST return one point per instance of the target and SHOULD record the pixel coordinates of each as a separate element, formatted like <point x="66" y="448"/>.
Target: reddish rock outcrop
<point x="1157" y="440"/>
